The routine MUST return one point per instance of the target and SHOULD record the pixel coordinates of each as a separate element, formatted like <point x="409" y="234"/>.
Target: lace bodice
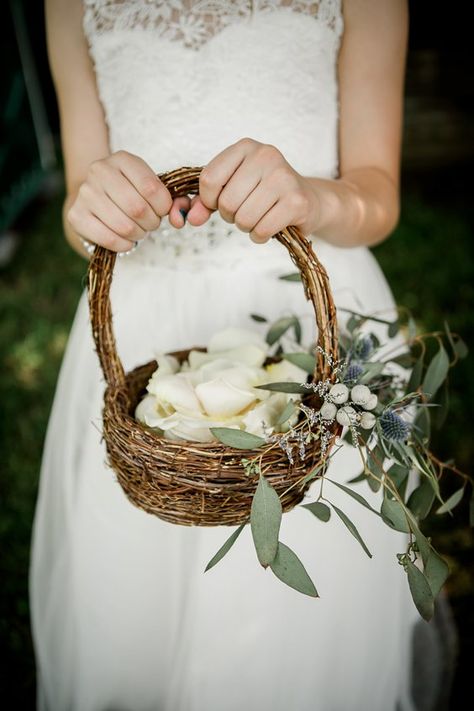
<point x="181" y="80"/>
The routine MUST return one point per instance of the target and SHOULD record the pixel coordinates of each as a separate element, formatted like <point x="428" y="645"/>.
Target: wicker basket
<point x="187" y="482"/>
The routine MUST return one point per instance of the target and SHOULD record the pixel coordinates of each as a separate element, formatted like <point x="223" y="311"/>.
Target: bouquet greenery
<point x="386" y="396"/>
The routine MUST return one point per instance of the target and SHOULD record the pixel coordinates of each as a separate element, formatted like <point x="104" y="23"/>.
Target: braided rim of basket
<point x="181" y="182"/>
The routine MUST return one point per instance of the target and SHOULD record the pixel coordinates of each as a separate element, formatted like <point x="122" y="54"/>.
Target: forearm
<point x="71" y="235"/>
<point x="359" y="208"/>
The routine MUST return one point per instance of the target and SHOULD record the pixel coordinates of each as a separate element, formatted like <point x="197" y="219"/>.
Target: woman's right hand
<point x="121" y="200"/>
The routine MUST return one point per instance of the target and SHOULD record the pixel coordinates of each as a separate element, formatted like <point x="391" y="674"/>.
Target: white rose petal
<point x="346" y="415"/>
<point x="339" y="393"/>
<point x="269" y="411"/>
<point x="177" y="391"/>
<point x="285" y="370"/>
<point x="222" y="399"/>
<point x="360" y="394"/>
<point x="371" y="403"/>
<point x="367" y="420"/>
<point x="167" y="363"/>
<point x="265" y="411"/>
<point x="146" y="410"/>
<point x="232" y="337"/>
<point x="248" y="354"/>
<point x="238" y="374"/>
<point x="328" y="411"/>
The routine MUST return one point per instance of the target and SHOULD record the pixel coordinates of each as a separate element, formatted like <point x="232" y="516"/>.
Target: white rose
<point x="269" y="411"/>
<point x="218" y="389"/>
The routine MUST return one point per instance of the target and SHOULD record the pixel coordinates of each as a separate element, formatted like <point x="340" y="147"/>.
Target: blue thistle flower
<point x="393" y="427"/>
<point x="353" y="371"/>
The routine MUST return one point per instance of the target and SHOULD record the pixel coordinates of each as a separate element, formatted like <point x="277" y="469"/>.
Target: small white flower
<point x="346" y="416"/>
<point x="339" y="393"/>
<point x="367" y="420"/>
<point x="371" y="403"/>
<point x="328" y="411"/>
<point x="360" y="394"/>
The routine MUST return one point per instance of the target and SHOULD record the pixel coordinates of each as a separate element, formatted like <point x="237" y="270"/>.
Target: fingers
<point x="120" y="200"/>
<point x="100" y="205"/>
<point x="254" y="214"/>
<point x="175" y="217"/>
<point x="284" y="212"/>
<point x="198" y="213"/>
<point x="123" y="196"/>
<point x="236" y="191"/>
<point x="146" y="183"/>
<point x="220" y="169"/>
<point x="91" y="228"/>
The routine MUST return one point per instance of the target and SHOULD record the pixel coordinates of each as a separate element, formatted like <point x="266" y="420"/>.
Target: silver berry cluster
<point x="350" y="407"/>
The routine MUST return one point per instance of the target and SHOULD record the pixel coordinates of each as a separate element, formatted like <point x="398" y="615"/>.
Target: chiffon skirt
<point x="124" y="617"/>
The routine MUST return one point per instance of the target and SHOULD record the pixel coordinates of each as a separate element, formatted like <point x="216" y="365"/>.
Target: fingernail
<point x="184" y="213"/>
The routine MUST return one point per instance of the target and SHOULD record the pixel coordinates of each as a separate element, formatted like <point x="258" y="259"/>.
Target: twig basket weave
<point x="186" y="482"/>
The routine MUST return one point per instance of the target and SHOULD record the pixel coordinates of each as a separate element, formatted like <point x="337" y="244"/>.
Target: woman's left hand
<point x="254" y="187"/>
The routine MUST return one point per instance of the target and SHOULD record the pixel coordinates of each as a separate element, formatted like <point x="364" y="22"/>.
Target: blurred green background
<point x="428" y="262"/>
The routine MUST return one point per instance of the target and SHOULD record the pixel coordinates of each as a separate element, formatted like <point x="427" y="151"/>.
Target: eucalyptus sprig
<point x="387" y="406"/>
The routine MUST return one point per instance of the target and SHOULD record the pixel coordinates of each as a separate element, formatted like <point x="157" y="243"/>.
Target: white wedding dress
<point x="123" y="616"/>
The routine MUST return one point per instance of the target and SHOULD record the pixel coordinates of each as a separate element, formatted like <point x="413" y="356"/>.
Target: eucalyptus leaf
<point x="360" y="499"/>
<point x="284" y="387"/>
<point x="458" y="346"/>
<point x="422" y="424"/>
<point x="420" y="591"/>
<point x="371" y="370"/>
<point x="374" y="463"/>
<point x="351" y="527"/>
<point x="297" y="329"/>
<point x="302" y="360"/>
<point x="404" y="359"/>
<point x="399" y="475"/>
<point x="436" y="373"/>
<point x="286" y="413"/>
<point x="393" y="329"/>
<point x="423" y="544"/>
<point x="415" y="376"/>
<point x="225" y="547"/>
<point x="360" y="477"/>
<point x="412" y="328"/>
<point x="450" y="503"/>
<point x="461" y="349"/>
<point x="440" y="413"/>
<point x="237" y="438"/>
<point x="421" y="499"/>
<point x="393" y="513"/>
<point x="374" y="484"/>
<point x="290" y="570"/>
<point x="436" y="571"/>
<point x="278" y="328"/>
<point x="257" y="317"/>
<point x="294" y="276"/>
<point x="352" y="323"/>
<point x="265" y="520"/>
<point x="319" y="509"/>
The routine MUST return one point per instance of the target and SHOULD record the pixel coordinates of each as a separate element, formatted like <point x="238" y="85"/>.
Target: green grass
<point x="428" y="262"/>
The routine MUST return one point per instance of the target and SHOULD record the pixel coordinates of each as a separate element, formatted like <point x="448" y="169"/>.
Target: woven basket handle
<point x="181" y="182"/>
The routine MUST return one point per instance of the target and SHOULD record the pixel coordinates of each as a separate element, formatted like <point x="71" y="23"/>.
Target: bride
<point x="293" y="108"/>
